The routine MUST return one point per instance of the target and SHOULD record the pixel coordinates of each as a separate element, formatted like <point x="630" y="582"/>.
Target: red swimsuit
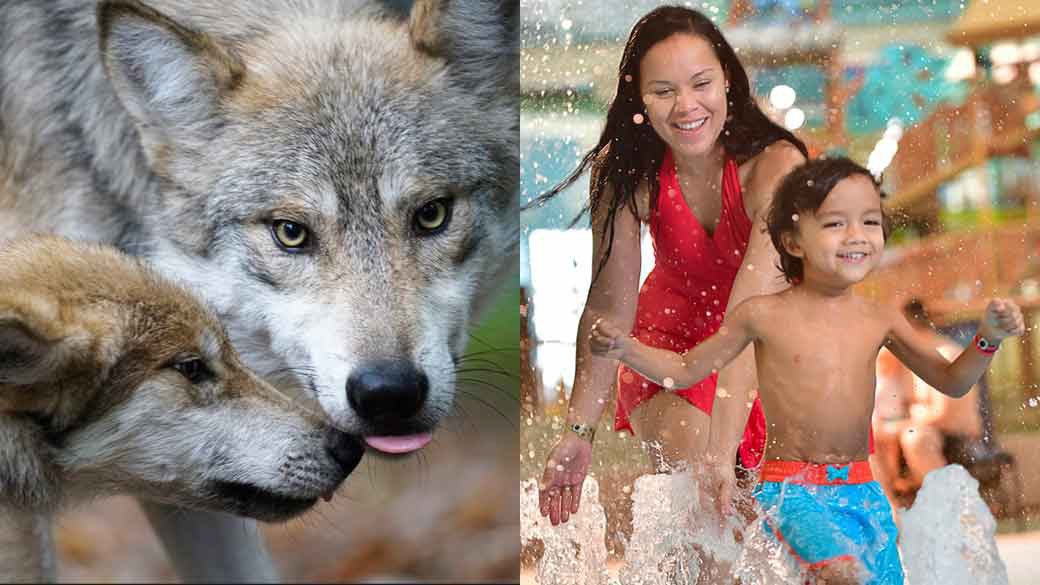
<point x="684" y="298"/>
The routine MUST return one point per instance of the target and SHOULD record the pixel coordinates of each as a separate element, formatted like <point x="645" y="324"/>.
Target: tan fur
<point x="90" y="403"/>
<point x="423" y="29"/>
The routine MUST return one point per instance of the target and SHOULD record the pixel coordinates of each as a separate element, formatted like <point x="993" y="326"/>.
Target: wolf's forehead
<point x="361" y="103"/>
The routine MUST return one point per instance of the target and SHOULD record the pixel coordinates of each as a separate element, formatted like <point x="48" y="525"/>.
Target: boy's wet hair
<point x="803" y="191"/>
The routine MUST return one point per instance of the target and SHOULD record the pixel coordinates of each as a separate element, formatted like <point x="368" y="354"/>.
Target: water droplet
<point x="809" y="183"/>
<point x="638" y="118"/>
<point x="668" y="383"/>
<point x="794" y="217"/>
<point x="628" y="78"/>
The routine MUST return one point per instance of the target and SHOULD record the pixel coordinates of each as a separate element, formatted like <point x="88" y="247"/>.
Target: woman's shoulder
<point x="762" y="173"/>
<point x="777" y="158"/>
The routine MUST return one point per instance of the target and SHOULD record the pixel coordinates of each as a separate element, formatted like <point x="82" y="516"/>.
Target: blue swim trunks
<point x="824" y="513"/>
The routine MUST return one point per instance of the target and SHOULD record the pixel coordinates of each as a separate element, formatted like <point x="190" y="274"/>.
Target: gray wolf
<point x="339" y="182"/>
<point x="114" y="380"/>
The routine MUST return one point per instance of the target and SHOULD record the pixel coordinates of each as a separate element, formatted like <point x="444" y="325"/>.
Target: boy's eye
<point x="831" y="224"/>
<point x="663" y="92"/>
<point x="872" y="222"/>
<point x="702" y="84"/>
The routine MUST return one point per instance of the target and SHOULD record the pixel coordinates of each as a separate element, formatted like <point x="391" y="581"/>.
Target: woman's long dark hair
<point x="629" y="153"/>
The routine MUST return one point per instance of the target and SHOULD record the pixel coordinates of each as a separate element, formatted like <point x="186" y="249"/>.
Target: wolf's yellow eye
<point x="433" y="216"/>
<point x="291" y="235"/>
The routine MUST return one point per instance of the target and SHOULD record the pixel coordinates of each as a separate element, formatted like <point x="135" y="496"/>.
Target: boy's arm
<point x="669" y="369"/>
<point x="1002" y="319"/>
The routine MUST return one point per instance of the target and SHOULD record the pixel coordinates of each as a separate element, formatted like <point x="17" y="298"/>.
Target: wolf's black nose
<point x="387" y="391"/>
<point x="345" y="449"/>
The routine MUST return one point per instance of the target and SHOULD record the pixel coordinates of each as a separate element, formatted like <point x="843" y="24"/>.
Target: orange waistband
<point x="816" y="473"/>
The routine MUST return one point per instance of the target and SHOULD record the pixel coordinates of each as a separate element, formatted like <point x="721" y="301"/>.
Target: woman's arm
<point x="612" y="296"/>
<point x="759" y="274"/>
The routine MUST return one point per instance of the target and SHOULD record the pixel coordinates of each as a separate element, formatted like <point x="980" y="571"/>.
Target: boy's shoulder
<point x="764" y="304"/>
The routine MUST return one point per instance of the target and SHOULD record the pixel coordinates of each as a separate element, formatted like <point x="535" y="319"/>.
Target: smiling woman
<point x="686" y="151"/>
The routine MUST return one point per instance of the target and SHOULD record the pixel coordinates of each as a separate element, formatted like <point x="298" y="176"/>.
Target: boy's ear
<point x="791" y="245"/>
<point x="27" y="356"/>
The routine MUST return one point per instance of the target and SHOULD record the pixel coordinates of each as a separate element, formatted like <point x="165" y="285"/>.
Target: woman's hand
<point x="560" y="490"/>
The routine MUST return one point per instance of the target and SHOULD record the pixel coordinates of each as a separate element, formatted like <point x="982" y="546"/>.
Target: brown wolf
<point x="113" y="380"/>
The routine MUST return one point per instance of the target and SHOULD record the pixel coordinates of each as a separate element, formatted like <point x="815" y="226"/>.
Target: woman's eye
<point x="831" y="224"/>
<point x="433" y="216"/>
<point x="193" y="369"/>
<point x="290" y="235"/>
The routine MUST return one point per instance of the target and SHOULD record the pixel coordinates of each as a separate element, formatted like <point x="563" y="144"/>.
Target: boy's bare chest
<point x="822" y="342"/>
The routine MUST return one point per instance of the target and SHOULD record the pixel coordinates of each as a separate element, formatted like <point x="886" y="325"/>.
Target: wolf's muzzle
<point x="344" y="449"/>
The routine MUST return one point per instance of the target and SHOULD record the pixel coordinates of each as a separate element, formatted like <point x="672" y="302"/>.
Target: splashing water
<point x="947" y="536"/>
<point x="671" y="534"/>
<point x="576" y="551"/>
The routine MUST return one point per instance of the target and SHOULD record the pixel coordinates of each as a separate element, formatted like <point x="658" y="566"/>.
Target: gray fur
<point x="202" y="121"/>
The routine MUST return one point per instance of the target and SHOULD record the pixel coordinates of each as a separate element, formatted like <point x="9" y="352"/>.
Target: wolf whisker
<point x="491" y="407"/>
<point x="496" y="388"/>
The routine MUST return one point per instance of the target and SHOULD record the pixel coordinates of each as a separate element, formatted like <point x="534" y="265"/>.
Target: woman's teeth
<point x="692" y="125"/>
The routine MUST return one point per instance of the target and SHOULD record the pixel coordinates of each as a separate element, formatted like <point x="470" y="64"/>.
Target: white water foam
<point x="947" y="535"/>
<point x="576" y="551"/>
<point x="946" y="538"/>
<point x="671" y="534"/>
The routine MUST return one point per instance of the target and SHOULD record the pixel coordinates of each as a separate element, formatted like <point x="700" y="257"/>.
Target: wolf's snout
<point x="387" y="391"/>
<point x="344" y="449"/>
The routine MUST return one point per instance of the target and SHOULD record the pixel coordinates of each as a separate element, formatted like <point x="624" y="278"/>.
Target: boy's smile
<point x="841" y="243"/>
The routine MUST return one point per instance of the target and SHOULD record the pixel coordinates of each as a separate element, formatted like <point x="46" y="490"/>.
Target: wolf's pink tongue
<point x="400" y="444"/>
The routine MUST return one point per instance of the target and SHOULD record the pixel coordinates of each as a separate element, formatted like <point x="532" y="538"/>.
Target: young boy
<point x="815" y="348"/>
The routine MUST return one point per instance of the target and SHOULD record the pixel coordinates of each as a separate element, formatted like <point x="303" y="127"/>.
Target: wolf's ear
<point x="169" y="78"/>
<point x="479" y="39"/>
<point x="26" y="355"/>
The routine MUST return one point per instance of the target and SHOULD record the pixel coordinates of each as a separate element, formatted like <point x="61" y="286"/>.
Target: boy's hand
<point x="607" y="340"/>
<point x="1003" y="319"/>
